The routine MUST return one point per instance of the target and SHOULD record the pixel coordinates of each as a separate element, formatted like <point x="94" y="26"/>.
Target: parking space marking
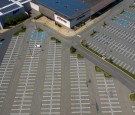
<point x="52" y="84"/>
<point x="120" y="33"/>
<point x="80" y="102"/>
<point x="129" y="14"/>
<point x="104" y="44"/>
<point x="1" y="44"/>
<point x="40" y="36"/>
<point x="133" y="107"/>
<point x="24" y="92"/>
<point x="7" y="66"/>
<point x="108" y="96"/>
<point x="124" y="23"/>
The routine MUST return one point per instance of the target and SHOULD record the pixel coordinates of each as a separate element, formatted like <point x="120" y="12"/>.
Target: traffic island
<point x="55" y="39"/>
<point x="72" y="50"/>
<point x="79" y="56"/>
<point x="132" y="97"/>
<point x="19" y="31"/>
<point x="98" y="69"/>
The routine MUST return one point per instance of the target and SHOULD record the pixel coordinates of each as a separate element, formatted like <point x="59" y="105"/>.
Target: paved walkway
<point x="66" y="31"/>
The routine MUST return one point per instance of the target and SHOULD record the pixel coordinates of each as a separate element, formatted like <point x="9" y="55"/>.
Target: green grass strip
<point x="19" y="31"/>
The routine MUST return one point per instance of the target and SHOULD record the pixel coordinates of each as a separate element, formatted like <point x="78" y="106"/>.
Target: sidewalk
<point x="67" y="31"/>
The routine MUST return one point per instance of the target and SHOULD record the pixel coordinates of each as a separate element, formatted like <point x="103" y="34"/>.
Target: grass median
<point x="84" y="44"/>
<point x="98" y="69"/>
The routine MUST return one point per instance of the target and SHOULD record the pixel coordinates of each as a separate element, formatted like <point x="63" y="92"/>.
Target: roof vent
<point x="65" y="6"/>
<point x="57" y="1"/>
<point x="76" y="9"/>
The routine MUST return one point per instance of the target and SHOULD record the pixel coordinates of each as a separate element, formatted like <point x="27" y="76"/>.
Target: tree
<point x="72" y="50"/>
<point x="9" y="21"/>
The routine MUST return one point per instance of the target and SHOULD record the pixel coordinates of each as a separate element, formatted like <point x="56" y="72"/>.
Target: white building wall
<point x="34" y="6"/>
<point x="62" y="21"/>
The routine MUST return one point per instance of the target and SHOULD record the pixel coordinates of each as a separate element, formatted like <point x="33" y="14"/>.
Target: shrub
<point x="53" y="38"/>
<point x="58" y="41"/>
<point x="37" y="17"/>
<point x="40" y="30"/>
<point x="21" y="30"/>
<point x="107" y="75"/>
<point x="16" y="19"/>
<point x="94" y="32"/>
<point x="122" y="11"/>
<point x="132" y="97"/>
<point x="104" y="24"/>
<point x="58" y="24"/>
<point x="72" y="50"/>
<point x="79" y="56"/>
<point x="98" y="69"/>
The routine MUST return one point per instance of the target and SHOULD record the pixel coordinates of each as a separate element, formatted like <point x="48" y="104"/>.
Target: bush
<point x="53" y="38"/>
<point x="122" y="11"/>
<point x="104" y="24"/>
<point x="110" y="60"/>
<point x="132" y="97"/>
<point x="58" y="24"/>
<point x="79" y="56"/>
<point x="98" y="69"/>
<point x="40" y="30"/>
<point x="72" y="50"/>
<point x="57" y="41"/>
<point x="93" y="33"/>
<point x="10" y="21"/>
<point x="107" y="75"/>
<point x="37" y="17"/>
<point x="21" y="30"/>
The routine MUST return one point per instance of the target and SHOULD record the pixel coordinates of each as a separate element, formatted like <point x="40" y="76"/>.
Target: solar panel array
<point x="4" y="3"/>
<point x="7" y="5"/>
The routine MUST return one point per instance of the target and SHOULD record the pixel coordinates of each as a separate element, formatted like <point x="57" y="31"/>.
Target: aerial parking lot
<point x="45" y="73"/>
<point x="115" y="39"/>
<point x="49" y="80"/>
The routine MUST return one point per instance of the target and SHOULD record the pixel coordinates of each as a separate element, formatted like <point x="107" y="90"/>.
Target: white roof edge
<point x="1" y="13"/>
<point x="25" y="1"/>
<point x="10" y="11"/>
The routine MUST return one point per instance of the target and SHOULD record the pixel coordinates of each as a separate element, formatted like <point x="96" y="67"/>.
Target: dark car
<point x="1" y="40"/>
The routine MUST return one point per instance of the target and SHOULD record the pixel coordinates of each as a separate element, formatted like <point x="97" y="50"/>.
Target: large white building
<point x="10" y="8"/>
<point x="69" y="12"/>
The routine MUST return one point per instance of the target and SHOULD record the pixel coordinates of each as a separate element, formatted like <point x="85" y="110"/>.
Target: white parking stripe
<point x="79" y="92"/>
<point x="25" y="88"/>
<point x="7" y="66"/>
<point x="52" y="84"/>
<point x="108" y="96"/>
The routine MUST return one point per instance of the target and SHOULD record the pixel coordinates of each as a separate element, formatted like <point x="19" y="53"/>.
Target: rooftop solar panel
<point x="66" y="7"/>
<point x="10" y="8"/>
<point x="4" y="3"/>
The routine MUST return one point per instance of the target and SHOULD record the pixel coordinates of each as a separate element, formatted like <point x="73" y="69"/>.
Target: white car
<point x="37" y="46"/>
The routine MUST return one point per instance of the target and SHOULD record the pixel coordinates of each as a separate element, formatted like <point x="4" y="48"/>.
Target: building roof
<point x="100" y="5"/>
<point x="67" y="8"/>
<point x="71" y="8"/>
<point x="10" y="8"/>
<point x="7" y="6"/>
<point x="5" y="3"/>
